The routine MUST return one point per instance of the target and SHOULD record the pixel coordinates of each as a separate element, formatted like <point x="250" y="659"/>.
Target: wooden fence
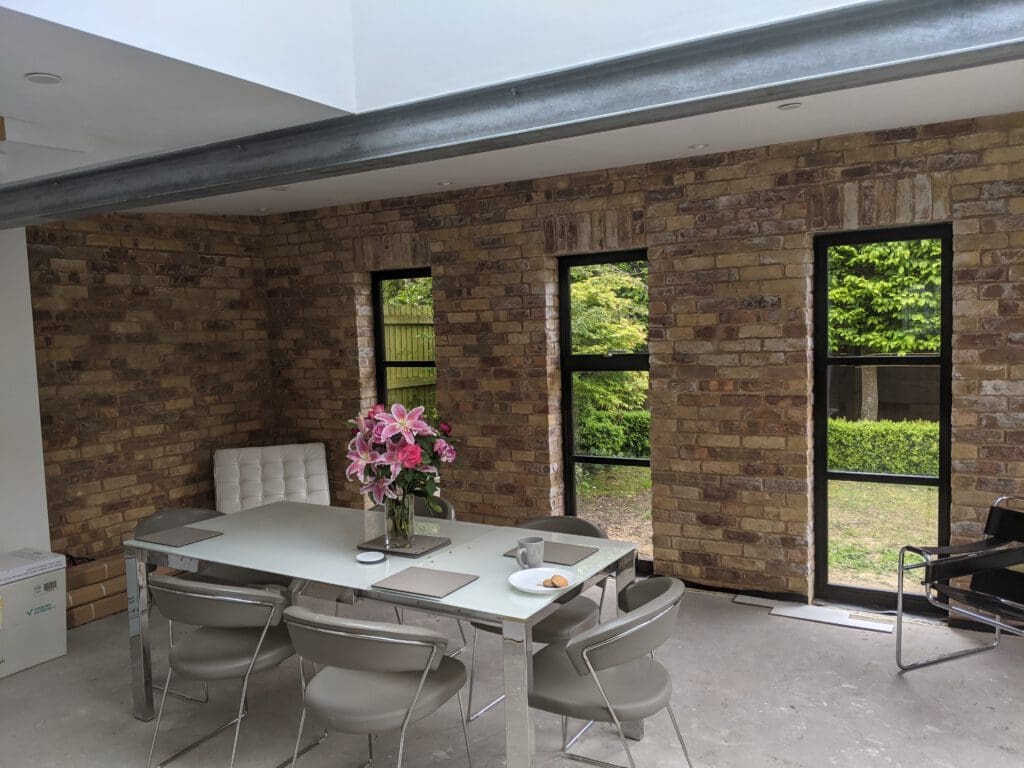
<point x="409" y="335"/>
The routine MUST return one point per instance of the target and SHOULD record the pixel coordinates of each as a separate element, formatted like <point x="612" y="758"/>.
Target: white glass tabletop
<point x="318" y="543"/>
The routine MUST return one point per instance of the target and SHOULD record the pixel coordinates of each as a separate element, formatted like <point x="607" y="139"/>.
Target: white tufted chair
<point x="248" y="477"/>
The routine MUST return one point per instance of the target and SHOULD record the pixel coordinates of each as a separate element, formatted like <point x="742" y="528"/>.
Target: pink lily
<point x="380" y="488"/>
<point x="362" y="456"/>
<point x="408" y="424"/>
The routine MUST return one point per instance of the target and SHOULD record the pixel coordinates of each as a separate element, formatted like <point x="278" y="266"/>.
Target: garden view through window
<point x="882" y="403"/>
<point x="607" y="418"/>
<point x="404" y="338"/>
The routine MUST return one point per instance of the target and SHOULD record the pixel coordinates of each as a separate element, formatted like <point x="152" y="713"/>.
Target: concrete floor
<point x="749" y="690"/>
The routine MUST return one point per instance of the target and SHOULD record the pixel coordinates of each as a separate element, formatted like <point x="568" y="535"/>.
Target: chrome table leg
<point x="517" y="661"/>
<point x="140" y="657"/>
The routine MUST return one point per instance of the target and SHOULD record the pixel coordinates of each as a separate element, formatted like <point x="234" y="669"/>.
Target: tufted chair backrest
<point x="250" y="477"/>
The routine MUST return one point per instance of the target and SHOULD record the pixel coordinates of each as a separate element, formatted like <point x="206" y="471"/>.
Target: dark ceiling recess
<point x="860" y="45"/>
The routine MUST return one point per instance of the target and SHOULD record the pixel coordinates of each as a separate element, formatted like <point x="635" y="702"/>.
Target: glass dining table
<point x="319" y="544"/>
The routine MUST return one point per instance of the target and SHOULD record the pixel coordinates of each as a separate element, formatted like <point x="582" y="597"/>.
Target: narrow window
<point x="881" y="404"/>
<point x="403" y="313"/>
<point x="606" y="413"/>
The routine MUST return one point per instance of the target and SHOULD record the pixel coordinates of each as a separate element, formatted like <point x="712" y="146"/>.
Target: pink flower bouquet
<point x="394" y="454"/>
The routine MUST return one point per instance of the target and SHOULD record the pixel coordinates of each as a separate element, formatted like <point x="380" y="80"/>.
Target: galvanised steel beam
<point x="854" y="46"/>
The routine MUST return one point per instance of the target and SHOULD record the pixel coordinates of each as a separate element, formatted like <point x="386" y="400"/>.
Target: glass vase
<point x="398" y="526"/>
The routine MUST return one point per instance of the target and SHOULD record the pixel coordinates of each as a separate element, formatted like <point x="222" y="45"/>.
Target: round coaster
<point x="370" y="557"/>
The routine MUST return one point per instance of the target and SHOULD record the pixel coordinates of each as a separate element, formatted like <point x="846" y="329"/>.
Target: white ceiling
<point x="117" y="101"/>
<point x="988" y="90"/>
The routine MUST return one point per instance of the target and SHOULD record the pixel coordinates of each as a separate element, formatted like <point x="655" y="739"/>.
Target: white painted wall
<point x="23" y="518"/>
<point x="406" y="51"/>
<point x="301" y="47"/>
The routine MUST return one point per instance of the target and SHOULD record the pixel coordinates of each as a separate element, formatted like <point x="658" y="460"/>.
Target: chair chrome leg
<point x="907" y="666"/>
<point x="679" y="735"/>
<point x="298" y="737"/>
<point x="159" y="716"/>
<point x="184" y="696"/>
<point x="197" y="742"/>
<point x="465" y="729"/>
<point x="471" y="715"/>
<point x="567" y="745"/>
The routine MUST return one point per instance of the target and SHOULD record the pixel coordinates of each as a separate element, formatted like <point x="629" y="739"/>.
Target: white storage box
<point x="33" y="622"/>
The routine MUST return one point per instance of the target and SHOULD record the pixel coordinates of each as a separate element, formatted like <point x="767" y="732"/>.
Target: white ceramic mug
<point x="530" y="552"/>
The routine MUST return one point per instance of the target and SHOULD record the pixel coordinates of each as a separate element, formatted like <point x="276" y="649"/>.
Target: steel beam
<point x="855" y="46"/>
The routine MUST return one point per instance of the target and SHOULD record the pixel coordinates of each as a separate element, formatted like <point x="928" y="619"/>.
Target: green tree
<point x="609" y="313"/>
<point x="883" y="298"/>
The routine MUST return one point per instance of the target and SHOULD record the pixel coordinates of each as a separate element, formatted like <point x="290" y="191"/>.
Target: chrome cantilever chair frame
<point x="237" y="720"/>
<point x="550" y="524"/>
<point x="611" y="710"/>
<point x="670" y="607"/>
<point x="943" y="563"/>
<point x="412" y="706"/>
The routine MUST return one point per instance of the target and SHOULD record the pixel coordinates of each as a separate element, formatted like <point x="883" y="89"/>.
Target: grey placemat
<point x="426" y="582"/>
<point x="420" y="546"/>
<point x="562" y="554"/>
<point x="178" y="537"/>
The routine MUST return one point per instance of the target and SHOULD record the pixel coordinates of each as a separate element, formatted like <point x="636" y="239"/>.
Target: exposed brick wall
<point x="729" y="237"/>
<point x="729" y="240"/>
<point x="151" y="347"/>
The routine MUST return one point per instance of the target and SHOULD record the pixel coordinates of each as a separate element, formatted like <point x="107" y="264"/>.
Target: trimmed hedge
<point x="624" y="434"/>
<point x="885" y="447"/>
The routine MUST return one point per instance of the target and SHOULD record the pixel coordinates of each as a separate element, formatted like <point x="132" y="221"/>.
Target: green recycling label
<point x="39" y="609"/>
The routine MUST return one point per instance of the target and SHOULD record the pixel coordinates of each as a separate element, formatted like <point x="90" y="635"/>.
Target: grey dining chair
<point x="239" y="632"/>
<point x="445" y="510"/>
<point x="609" y="673"/>
<point x="373" y="676"/>
<point x="579" y="614"/>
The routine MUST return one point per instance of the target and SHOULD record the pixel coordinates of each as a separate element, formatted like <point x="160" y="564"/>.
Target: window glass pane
<point x="412" y="387"/>
<point x="608" y="307"/>
<point x="611" y="416"/>
<point x="884" y="419"/>
<point x="408" y="319"/>
<point x="619" y="500"/>
<point x="884" y="298"/>
<point x="867" y="525"/>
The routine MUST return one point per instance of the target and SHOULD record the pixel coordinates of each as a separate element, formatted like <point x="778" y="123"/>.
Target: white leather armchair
<point x="248" y="477"/>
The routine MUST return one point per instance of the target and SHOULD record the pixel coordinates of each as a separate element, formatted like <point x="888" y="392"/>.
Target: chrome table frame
<point x="517" y="646"/>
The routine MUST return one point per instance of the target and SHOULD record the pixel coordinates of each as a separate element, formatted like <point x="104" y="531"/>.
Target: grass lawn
<point x="869" y="522"/>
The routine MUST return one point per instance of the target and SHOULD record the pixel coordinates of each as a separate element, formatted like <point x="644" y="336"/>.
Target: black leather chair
<point x="994" y="596"/>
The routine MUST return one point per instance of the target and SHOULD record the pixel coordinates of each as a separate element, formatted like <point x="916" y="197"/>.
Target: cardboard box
<point x="33" y="624"/>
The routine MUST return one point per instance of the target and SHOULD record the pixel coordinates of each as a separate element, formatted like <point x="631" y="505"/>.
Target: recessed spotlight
<point x="699" y="146"/>
<point x="262" y="210"/>
<point x="790" y="105"/>
<point x="445" y="183"/>
<point x="279" y="189"/>
<point x="43" y="78"/>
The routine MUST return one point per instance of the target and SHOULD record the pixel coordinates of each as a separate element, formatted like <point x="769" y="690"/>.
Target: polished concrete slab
<point x="749" y="690"/>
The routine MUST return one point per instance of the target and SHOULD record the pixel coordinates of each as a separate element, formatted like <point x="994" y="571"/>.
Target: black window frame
<point x="381" y="364"/>
<point x="873" y="598"/>
<point x="571" y="363"/>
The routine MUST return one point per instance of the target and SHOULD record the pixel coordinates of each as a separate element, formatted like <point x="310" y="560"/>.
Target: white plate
<point x="532" y="580"/>
<point x="370" y="557"/>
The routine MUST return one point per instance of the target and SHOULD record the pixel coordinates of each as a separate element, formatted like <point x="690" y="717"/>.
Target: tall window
<point x="882" y="404"/>
<point x="403" y="315"/>
<point x="606" y="414"/>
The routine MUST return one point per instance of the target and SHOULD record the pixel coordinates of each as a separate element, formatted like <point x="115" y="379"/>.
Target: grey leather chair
<point x="373" y="676"/>
<point x="608" y="673"/>
<point x="579" y="614"/>
<point x="239" y="632"/>
<point x="445" y="509"/>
